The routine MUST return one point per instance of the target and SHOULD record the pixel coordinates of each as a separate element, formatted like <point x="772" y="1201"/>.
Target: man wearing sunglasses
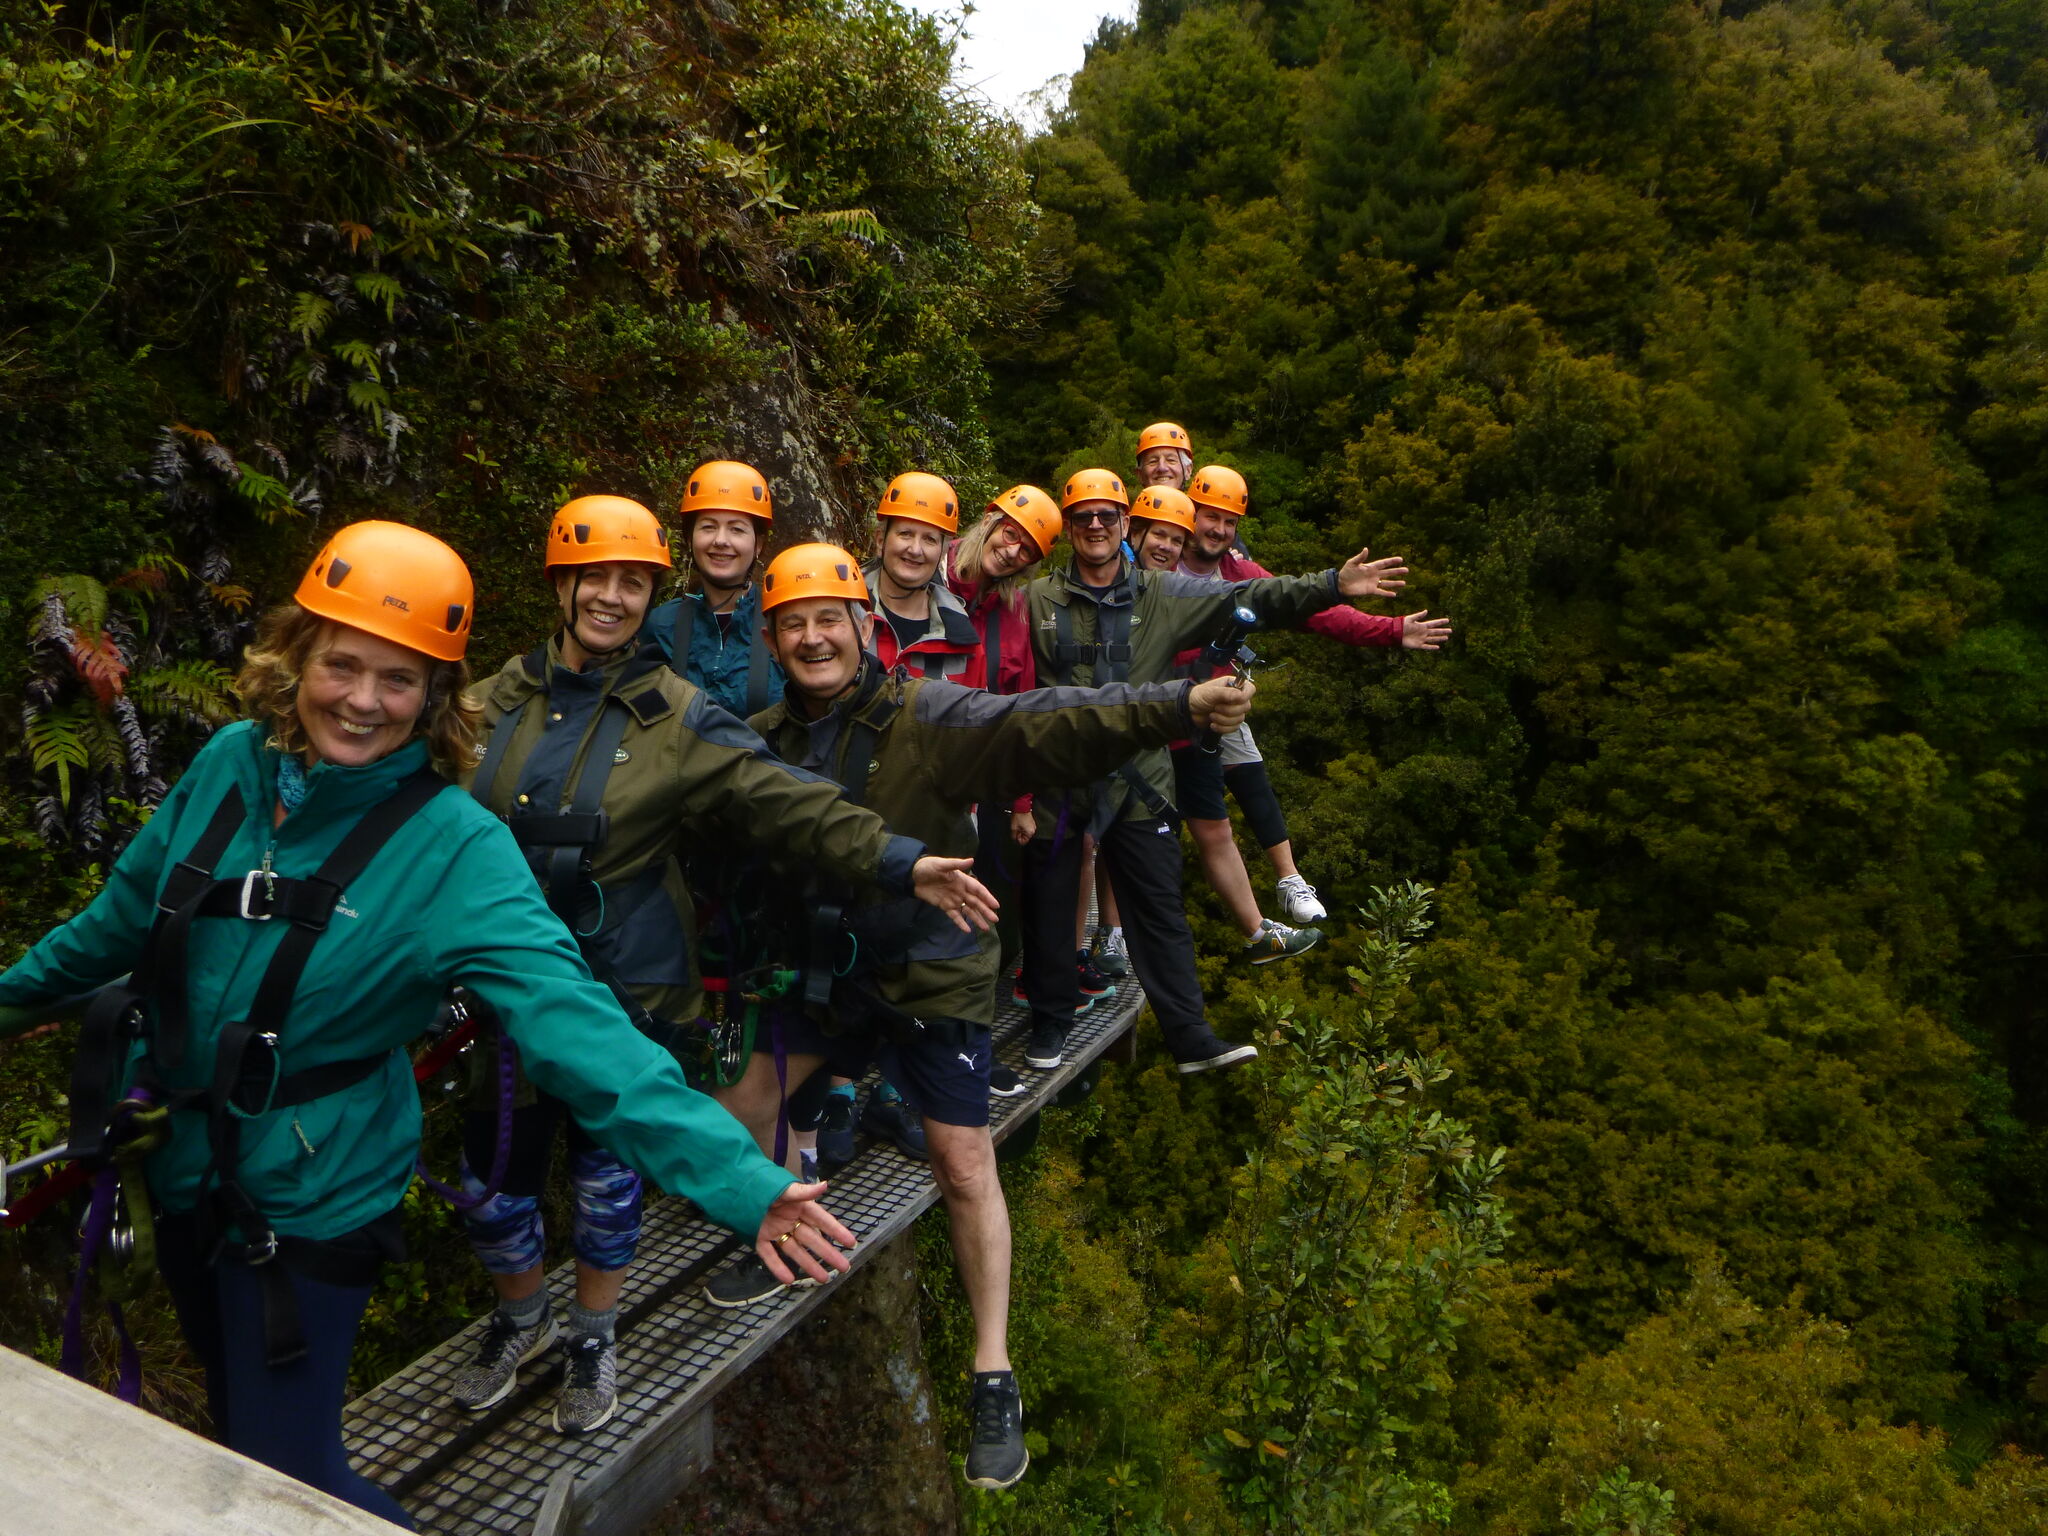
<point x="1102" y="620"/>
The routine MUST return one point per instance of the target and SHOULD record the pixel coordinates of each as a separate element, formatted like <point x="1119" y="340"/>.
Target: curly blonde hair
<point x="290" y="636"/>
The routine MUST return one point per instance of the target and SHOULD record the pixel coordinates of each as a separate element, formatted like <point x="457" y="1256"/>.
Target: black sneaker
<point x="888" y="1118"/>
<point x="746" y="1280"/>
<point x="835" y="1133"/>
<point x="1047" y="1046"/>
<point x="996" y="1456"/>
<point x="1093" y="983"/>
<point x="1200" y="1049"/>
<point x="1004" y="1083"/>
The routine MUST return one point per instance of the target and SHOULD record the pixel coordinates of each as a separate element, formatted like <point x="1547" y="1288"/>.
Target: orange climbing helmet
<point x="401" y="584"/>
<point x="1165" y="434"/>
<point x="725" y="486"/>
<point x="594" y="528"/>
<point x="1220" y="488"/>
<point x="923" y="499"/>
<point x="1093" y="485"/>
<point x="1163" y="504"/>
<point x="1033" y="511"/>
<point x="812" y="570"/>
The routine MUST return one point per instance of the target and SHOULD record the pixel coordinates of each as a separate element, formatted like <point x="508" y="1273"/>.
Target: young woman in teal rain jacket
<point x="358" y="689"/>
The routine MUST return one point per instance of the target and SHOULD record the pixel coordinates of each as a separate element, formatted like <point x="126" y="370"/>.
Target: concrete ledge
<point x="81" y="1463"/>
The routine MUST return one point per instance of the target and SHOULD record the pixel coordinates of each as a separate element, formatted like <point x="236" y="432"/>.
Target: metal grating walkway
<point x="508" y="1470"/>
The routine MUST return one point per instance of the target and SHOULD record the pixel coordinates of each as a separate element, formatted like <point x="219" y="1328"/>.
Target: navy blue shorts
<point x="943" y="1075"/>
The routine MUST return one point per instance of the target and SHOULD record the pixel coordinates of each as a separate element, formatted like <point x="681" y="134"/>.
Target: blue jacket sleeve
<point x="492" y="931"/>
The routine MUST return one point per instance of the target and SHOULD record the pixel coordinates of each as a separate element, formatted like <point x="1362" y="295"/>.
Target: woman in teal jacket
<point x="283" y="1171"/>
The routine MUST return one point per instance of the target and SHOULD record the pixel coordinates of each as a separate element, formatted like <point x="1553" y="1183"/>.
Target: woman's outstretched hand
<point x="800" y="1234"/>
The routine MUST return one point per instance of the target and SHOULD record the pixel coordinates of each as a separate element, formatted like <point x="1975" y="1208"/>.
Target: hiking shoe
<point x="1023" y="999"/>
<point x="1093" y="983"/>
<point x="1047" y="1046"/>
<point x="888" y="1118"/>
<point x="1200" y="1049"/>
<point x="1277" y="941"/>
<point x="1298" y="901"/>
<point x="590" y="1387"/>
<point x="1109" y="954"/>
<point x="504" y="1348"/>
<point x="1004" y="1083"/>
<point x="996" y="1456"/>
<point x="746" y="1280"/>
<point x="835" y="1133"/>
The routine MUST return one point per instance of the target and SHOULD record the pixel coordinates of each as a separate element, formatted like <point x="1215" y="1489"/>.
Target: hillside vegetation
<point x="1660" y="1143"/>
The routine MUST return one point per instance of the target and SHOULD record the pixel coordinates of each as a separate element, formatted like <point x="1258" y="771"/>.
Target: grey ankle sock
<point x="583" y="1320"/>
<point x="527" y="1313"/>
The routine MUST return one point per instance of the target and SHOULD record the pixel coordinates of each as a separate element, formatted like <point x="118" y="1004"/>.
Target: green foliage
<point x="1737" y="1420"/>
<point x="1359" y="1233"/>
<point x="1693" y="358"/>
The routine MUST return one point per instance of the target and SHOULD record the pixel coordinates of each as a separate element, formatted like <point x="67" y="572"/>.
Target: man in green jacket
<point x="921" y="994"/>
<point x="1103" y="620"/>
<point x="607" y="765"/>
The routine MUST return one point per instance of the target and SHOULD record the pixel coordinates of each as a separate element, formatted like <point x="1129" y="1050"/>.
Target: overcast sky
<point x="1013" y="47"/>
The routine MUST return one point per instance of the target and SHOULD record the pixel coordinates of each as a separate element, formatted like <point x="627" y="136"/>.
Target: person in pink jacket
<point x="1213" y="550"/>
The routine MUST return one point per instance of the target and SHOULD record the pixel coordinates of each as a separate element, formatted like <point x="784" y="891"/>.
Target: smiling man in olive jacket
<point x="918" y="993"/>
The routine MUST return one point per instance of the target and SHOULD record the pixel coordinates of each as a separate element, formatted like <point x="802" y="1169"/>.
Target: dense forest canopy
<point x="1695" y="356"/>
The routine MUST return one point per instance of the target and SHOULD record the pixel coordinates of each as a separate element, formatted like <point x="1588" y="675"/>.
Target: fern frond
<point x="860" y="223"/>
<point x="100" y="664"/>
<point x="84" y="600"/>
<point x="191" y="688"/>
<point x="60" y="740"/>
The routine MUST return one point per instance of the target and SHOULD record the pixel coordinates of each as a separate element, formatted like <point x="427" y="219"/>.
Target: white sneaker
<point x="1298" y="901"/>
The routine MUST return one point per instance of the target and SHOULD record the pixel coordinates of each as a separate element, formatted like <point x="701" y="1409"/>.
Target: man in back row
<point x="1103" y="620"/>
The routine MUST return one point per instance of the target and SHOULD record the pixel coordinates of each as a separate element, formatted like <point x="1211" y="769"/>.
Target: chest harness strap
<point x="1109" y="657"/>
<point x="561" y="846"/>
<point x="248" y="1079"/>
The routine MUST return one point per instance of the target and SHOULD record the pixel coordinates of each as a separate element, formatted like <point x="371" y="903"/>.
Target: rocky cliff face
<point x="836" y="1430"/>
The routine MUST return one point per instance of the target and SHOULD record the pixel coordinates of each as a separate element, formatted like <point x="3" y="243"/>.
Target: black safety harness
<point x="1109" y="655"/>
<point x="248" y="1079"/>
<point x="561" y="846"/>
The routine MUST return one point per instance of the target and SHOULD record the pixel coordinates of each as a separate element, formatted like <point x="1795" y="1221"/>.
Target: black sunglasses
<point x="1089" y="519"/>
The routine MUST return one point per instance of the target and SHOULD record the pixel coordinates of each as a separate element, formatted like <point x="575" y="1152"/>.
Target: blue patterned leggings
<point x="506" y="1230"/>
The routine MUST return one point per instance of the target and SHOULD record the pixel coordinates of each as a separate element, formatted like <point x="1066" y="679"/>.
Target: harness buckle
<point x="253" y="1254"/>
<point x="249" y="893"/>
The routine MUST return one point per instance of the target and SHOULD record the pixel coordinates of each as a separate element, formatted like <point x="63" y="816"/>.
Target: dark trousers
<point x="287" y="1417"/>
<point x="1252" y="787"/>
<point x="1143" y="858"/>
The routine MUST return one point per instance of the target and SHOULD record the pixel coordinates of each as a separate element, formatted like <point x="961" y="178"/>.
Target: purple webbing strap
<point x="501" y="1153"/>
<point x="99" y="1221"/>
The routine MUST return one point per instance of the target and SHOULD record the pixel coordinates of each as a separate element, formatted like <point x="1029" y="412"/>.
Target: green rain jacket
<point x="933" y="751"/>
<point x="1142" y="620"/>
<point x="448" y="900"/>
<point x="684" y="770"/>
